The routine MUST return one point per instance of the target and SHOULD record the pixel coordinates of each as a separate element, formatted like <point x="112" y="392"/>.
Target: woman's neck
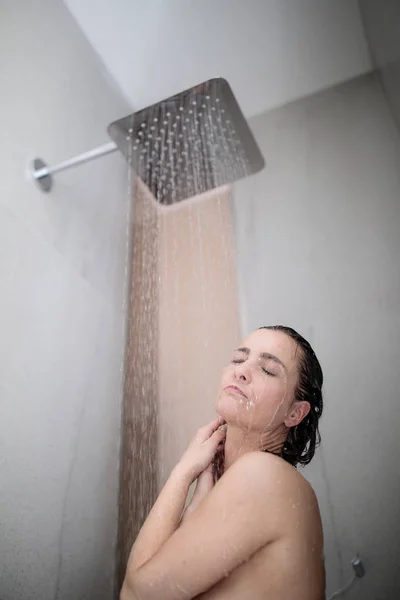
<point x="239" y="441"/>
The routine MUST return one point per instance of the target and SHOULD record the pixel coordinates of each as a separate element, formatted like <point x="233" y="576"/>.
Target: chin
<point x="227" y="408"/>
<point x="233" y="410"/>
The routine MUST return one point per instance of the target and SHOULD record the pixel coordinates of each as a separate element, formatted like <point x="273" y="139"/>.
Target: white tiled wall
<point x="62" y="260"/>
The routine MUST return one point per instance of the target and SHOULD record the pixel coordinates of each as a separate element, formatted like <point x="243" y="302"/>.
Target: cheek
<point x="271" y="409"/>
<point x="271" y="399"/>
<point x="269" y="393"/>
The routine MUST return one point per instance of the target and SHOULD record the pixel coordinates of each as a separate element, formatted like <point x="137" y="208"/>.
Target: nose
<point x="243" y="371"/>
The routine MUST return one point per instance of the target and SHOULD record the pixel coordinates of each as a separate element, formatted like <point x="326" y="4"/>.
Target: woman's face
<point x="257" y="387"/>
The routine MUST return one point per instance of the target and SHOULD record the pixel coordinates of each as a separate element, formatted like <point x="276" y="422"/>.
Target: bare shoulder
<point x="266" y="465"/>
<point x="278" y="480"/>
<point x="281" y="497"/>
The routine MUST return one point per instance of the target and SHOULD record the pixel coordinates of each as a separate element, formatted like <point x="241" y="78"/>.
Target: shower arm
<point x="42" y="173"/>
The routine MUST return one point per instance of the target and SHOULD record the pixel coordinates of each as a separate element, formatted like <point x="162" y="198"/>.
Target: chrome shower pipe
<point x="41" y="172"/>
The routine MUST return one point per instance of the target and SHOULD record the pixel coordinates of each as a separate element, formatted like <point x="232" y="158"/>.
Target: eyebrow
<point x="265" y="355"/>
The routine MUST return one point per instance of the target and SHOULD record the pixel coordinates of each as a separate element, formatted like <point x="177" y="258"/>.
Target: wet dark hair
<point x="304" y="438"/>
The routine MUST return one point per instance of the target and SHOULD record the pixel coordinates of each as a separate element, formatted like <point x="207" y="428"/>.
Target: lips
<point x="235" y="390"/>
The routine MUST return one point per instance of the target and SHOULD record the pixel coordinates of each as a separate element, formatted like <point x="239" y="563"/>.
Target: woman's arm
<point x="162" y="521"/>
<point x="204" y="484"/>
<point x="243" y="512"/>
<point x="165" y="516"/>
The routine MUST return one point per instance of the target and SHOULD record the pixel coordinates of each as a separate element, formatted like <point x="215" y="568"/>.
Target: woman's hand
<point x="202" y="449"/>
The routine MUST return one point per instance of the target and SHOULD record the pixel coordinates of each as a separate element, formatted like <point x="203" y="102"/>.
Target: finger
<point x="207" y="431"/>
<point x="218" y="437"/>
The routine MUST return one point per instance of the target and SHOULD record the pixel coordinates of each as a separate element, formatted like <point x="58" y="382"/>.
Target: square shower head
<point x="189" y="143"/>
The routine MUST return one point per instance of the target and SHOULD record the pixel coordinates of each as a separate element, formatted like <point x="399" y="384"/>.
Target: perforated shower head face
<point x="190" y="143"/>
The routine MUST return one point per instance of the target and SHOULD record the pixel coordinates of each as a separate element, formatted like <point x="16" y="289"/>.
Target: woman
<point x="252" y="530"/>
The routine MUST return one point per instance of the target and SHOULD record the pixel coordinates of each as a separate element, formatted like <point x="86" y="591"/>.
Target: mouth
<point x="235" y="390"/>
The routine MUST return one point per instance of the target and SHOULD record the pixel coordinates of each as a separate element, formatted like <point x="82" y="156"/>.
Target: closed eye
<point x="268" y="372"/>
<point x="238" y="361"/>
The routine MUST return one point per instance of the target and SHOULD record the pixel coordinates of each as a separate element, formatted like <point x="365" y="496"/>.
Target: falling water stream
<point x="172" y="287"/>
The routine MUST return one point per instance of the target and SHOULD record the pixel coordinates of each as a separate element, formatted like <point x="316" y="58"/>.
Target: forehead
<point x="273" y="342"/>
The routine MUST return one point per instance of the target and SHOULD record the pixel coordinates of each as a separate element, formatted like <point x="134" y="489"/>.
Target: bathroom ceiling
<point x="271" y="51"/>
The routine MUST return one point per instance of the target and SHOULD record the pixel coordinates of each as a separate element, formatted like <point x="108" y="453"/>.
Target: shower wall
<point x="62" y="261"/>
<point x="382" y="29"/>
<point x="317" y="248"/>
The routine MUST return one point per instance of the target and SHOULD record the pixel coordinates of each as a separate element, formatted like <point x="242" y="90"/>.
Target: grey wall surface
<point x="62" y="259"/>
<point x="382" y="29"/>
<point x="318" y="249"/>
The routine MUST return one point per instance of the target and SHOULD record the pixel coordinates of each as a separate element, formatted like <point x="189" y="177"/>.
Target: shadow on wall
<point x="382" y="28"/>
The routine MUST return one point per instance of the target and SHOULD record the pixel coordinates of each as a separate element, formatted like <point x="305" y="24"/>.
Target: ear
<point x="297" y="412"/>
